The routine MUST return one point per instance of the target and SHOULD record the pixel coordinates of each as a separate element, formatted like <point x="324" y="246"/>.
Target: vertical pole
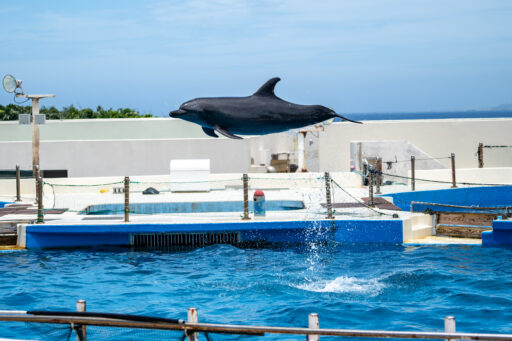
<point x="301" y="151"/>
<point x="81" y="332"/>
<point x="245" y="179"/>
<point x="413" y="173"/>
<point x="18" y="183"/>
<point x="39" y="195"/>
<point x="480" y="154"/>
<point x="454" y="182"/>
<point x="370" y="188"/>
<point x="192" y="318"/>
<point x="328" y="201"/>
<point x="35" y="136"/>
<point x="126" y="199"/>
<point x="313" y="323"/>
<point x="378" y="181"/>
<point x="449" y="325"/>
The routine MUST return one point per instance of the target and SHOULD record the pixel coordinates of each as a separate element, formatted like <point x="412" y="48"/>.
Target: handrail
<point x="253" y="330"/>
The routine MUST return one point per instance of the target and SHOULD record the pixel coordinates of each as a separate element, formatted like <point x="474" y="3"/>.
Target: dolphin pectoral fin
<point x="226" y="133"/>
<point x="346" y="119"/>
<point x="209" y="132"/>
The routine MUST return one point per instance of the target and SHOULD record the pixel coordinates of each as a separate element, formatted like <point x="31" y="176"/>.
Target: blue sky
<point x="354" y="56"/>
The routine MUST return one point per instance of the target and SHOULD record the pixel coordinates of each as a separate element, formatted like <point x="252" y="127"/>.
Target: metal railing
<point x="191" y="327"/>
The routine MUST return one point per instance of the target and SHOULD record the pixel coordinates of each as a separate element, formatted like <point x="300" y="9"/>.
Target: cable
<point x="443" y="182"/>
<point x="361" y="202"/>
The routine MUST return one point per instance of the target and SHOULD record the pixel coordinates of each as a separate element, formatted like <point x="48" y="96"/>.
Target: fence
<point x="81" y="323"/>
<point x="133" y="196"/>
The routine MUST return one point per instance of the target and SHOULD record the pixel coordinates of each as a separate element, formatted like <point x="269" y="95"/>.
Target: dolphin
<point x="259" y="114"/>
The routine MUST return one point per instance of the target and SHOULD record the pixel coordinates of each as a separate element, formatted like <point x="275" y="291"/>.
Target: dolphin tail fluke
<point x="346" y="119"/>
<point x="227" y="133"/>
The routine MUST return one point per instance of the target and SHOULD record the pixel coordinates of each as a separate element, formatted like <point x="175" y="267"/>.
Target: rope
<point x="358" y="200"/>
<point x="502" y="146"/>
<point x="430" y="158"/>
<point x="443" y="182"/>
<point x="94" y="185"/>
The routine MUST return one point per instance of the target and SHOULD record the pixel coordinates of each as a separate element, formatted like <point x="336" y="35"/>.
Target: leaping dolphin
<point x="259" y="114"/>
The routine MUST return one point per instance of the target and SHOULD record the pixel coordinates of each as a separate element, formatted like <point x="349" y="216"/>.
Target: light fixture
<point x="11" y="84"/>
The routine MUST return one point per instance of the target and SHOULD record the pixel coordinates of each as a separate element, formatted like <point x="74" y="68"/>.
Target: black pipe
<point x="138" y="318"/>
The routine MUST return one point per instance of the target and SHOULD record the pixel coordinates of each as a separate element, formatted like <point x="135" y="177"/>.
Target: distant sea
<point x="427" y="115"/>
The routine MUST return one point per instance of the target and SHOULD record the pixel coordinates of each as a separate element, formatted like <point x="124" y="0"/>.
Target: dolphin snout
<point x="177" y="113"/>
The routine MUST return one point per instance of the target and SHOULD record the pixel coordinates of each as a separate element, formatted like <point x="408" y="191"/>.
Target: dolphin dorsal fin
<point x="267" y="89"/>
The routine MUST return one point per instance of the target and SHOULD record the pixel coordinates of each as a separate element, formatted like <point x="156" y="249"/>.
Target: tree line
<point x="10" y="112"/>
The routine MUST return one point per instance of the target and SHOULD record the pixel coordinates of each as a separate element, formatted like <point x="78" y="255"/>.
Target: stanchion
<point x="413" y="176"/>
<point x="454" y="182"/>
<point x="192" y="318"/>
<point x="81" y="331"/>
<point x="480" y="154"/>
<point x="313" y="323"/>
<point x="245" y="180"/>
<point x="378" y="181"/>
<point x="39" y="195"/>
<point x="328" y="201"/>
<point x="18" y="183"/>
<point x="449" y="325"/>
<point x="370" y="188"/>
<point x="126" y="199"/>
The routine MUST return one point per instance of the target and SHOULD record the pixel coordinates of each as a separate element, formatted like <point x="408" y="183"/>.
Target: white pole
<point x="313" y="323"/>
<point x="301" y="151"/>
<point x="192" y="318"/>
<point x="80" y="307"/>
<point x="35" y="135"/>
<point x="449" y="325"/>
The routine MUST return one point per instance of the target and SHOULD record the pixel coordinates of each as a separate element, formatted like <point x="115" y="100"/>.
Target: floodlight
<point x="9" y="83"/>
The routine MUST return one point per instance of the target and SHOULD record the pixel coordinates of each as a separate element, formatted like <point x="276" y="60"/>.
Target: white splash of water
<point x="344" y="284"/>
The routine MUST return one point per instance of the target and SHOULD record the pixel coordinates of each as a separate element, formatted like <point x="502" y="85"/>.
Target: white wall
<point x="438" y="138"/>
<point x="127" y="157"/>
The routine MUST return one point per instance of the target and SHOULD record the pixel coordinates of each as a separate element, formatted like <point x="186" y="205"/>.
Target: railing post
<point x="454" y="182"/>
<point x="39" y="195"/>
<point x="370" y="188"/>
<point x="245" y="180"/>
<point x="413" y="173"/>
<point x="378" y="180"/>
<point x="18" y="183"/>
<point x="81" y="331"/>
<point x="328" y="201"/>
<point x="480" y="154"/>
<point x="126" y="199"/>
<point x="192" y="318"/>
<point x="313" y="323"/>
<point x="449" y="325"/>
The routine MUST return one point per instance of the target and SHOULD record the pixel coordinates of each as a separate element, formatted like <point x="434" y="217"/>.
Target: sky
<point x="353" y="56"/>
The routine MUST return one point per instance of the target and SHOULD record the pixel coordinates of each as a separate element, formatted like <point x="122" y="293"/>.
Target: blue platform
<point x="501" y="234"/>
<point x="4" y="203"/>
<point x="345" y="231"/>
<point x="491" y="196"/>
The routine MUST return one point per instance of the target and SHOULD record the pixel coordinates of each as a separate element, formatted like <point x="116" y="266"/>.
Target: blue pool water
<point x="370" y="287"/>
<point x="190" y="207"/>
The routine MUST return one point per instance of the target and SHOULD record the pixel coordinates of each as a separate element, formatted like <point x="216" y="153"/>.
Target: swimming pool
<point x="190" y="207"/>
<point x="365" y="286"/>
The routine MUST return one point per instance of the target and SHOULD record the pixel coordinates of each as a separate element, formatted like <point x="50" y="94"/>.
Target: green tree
<point x="10" y="112"/>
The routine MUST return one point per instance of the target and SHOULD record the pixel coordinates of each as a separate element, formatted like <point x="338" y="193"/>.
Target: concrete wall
<point x="398" y="152"/>
<point x="103" y="129"/>
<point x="438" y="138"/>
<point x="127" y="157"/>
<point x="501" y="175"/>
<point x="145" y="146"/>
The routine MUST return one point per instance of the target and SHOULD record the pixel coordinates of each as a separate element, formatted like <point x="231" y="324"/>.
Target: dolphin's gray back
<point x="259" y="114"/>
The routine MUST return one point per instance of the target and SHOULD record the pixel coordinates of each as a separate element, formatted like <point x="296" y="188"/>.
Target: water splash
<point x="345" y="284"/>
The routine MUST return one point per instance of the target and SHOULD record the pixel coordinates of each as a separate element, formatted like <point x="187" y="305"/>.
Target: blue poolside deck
<point x="348" y="231"/>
